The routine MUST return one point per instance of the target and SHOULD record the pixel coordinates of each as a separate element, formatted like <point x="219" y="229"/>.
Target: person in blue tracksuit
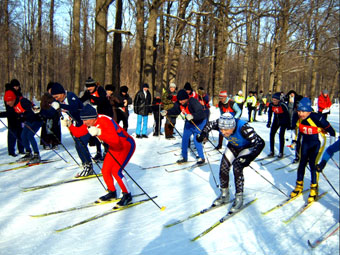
<point x="244" y="145"/>
<point x="281" y="120"/>
<point x="333" y="148"/>
<point x="311" y="126"/>
<point x="195" y="122"/>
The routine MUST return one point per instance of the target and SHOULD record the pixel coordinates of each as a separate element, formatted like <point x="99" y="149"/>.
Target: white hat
<point x="226" y="121"/>
<point x="240" y="92"/>
<point x="172" y="85"/>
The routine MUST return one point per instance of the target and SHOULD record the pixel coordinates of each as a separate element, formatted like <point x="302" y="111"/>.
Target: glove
<point x="268" y="124"/>
<point x="36" y="109"/>
<point x="293" y="145"/>
<point x="55" y="105"/>
<point x="66" y="122"/>
<point x="244" y="161"/>
<point x="200" y="137"/>
<point x="163" y="112"/>
<point x="321" y="166"/>
<point x="94" y="131"/>
<point x="189" y="117"/>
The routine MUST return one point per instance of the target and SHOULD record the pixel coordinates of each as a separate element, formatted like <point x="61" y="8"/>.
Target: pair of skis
<point x="42" y="162"/>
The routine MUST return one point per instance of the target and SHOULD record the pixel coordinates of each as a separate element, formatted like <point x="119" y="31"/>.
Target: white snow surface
<point x="140" y="229"/>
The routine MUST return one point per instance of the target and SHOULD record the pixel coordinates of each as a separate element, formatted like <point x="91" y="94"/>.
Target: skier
<point x="281" y="120"/>
<point x="68" y="102"/>
<point x="32" y="124"/>
<point x="226" y="104"/>
<point x="195" y="121"/>
<point x="311" y="125"/>
<point x="204" y="99"/>
<point x="156" y="109"/>
<point x="169" y="97"/>
<point x="333" y="148"/>
<point x="251" y="105"/>
<point x="142" y="107"/>
<point x="190" y="91"/>
<point x="121" y="148"/>
<point x="244" y="145"/>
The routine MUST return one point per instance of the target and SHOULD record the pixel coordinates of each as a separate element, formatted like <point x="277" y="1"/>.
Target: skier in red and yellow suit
<point x="121" y="148"/>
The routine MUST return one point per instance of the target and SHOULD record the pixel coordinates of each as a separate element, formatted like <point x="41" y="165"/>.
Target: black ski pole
<point x="161" y="208"/>
<point x="330" y="184"/>
<point x="43" y="141"/>
<point x="210" y="168"/>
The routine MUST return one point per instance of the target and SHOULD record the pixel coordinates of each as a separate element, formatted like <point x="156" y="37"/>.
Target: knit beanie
<point x="110" y="87"/>
<point x="277" y="95"/>
<point x="124" y="89"/>
<point x="9" y="96"/>
<point x="145" y="85"/>
<point x="57" y="88"/>
<point x="88" y="112"/>
<point x="15" y="83"/>
<point x="325" y="91"/>
<point x="182" y="95"/>
<point x="172" y="85"/>
<point x="226" y="121"/>
<point x="90" y="82"/>
<point x="223" y="93"/>
<point x="187" y="86"/>
<point x="305" y="105"/>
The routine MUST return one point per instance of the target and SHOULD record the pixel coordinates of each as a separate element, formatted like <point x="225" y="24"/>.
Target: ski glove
<point x="94" y="131"/>
<point x="55" y="105"/>
<point x="164" y="112"/>
<point x="321" y="166"/>
<point x="245" y="160"/>
<point x="36" y="109"/>
<point x="268" y="124"/>
<point x="189" y="117"/>
<point x="66" y="122"/>
<point x="200" y="137"/>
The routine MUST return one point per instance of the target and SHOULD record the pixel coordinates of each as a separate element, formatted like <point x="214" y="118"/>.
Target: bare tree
<point x="50" y="57"/>
<point x="117" y="46"/>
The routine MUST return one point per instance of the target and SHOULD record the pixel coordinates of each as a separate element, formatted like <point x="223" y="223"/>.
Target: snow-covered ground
<point x="140" y="230"/>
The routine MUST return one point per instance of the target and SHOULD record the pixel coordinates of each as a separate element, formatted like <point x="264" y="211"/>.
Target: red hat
<point x="9" y="96"/>
<point x="223" y="93"/>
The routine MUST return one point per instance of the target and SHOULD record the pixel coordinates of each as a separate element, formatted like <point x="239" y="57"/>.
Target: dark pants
<point x="273" y="130"/>
<point x="14" y="137"/>
<point x="81" y="147"/>
<point x="27" y="136"/>
<point x="158" y="123"/>
<point x="309" y="152"/>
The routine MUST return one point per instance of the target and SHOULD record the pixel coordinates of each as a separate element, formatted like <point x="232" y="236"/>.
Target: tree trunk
<point x="86" y="59"/>
<point x="7" y="38"/>
<point x="139" y="48"/>
<point x="50" y="58"/>
<point x="39" y="71"/>
<point x="76" y="45"/>
<point x="117" y="46"/>
<point x="166" y="49"/>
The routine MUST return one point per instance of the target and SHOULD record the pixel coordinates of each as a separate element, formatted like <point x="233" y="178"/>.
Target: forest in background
<point x="230" y="45"/>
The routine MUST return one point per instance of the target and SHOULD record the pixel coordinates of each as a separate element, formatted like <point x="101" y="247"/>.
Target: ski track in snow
<point x="140" y="229"/>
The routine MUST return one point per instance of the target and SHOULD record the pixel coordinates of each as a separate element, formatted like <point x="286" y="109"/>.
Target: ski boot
<point x="181" y="161"/>
<point x="27" y="157"/>
<point x="313" y="193"/>
<point x="321" y="166"/>
<point x="296" y="160"/>
<point x="223" y="198"/>
<point x="271" y="154"/>
<point x="298" y="189"/>
<point x="87" y="170"/>
<point x="200" y="161"/>
<point x="112" y="195"/>
<point x="238" y="202"/>
<point x="35" y="159"/>
<point x="98" y="157"/>
<point x="280" y="155"/>
<point x="126" y="199"/>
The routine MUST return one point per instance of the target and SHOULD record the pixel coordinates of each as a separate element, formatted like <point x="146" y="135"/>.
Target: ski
<point x="13" y="163"/>
<point x="274" y="160"/>
<point x="74" y="179"/>
<point x="168" y="151"/>
<point x="168" y="164"/>
<point x="223" y="219"/>
<point x="88" y="205"/>
<point x="42" y="162"/>
<point x="293" y="169"/>
<point x="284" y="202"/>
<point x="208" y="209"/>
<point x="260" y="159"/>
<point x="302" y="209"/>
<point x="332" y="230"/>
<point x="105" y="213"/>
<point x="188" y="167"/>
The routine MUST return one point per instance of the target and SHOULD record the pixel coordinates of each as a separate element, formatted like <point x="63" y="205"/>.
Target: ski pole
<point x="11" y="131"/>
<point x="43" y="141"/>
<point x="84" y="147"/>
<point x="268" y="181"/>
<point x="161" y="208"/>
<point x="330" y="184"/>
<point x="335" y="163"/>
<point x="206" y="156"/>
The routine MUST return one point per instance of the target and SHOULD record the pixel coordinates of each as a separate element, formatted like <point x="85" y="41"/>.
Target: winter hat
<point x="90" y="82"/>
<point x="145" y="85"/>
<point x="172" y="85"/>
<point x="9" y="96"/>
<point x="50" y="85"/>
<point x="226" y="121"/>
<point x="110" y="87"/>
<point x="187" y="86"/>
<point x="15" y="82"/>
<point x="325" y="91"/>
<point x="305" y="105"/>
<point x="182" y="95"/>
<point x="223" y="93"/>
<point x="277" y="95"/>
<point x="57" y="88"/>
<point x="240" y="92"/>
<point x="124" y="89"/>
<point x="88" y="112"/>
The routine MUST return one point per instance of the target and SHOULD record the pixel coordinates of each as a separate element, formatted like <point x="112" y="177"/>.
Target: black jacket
<point x="195" y="108"/>
<point x="142" y="104"/>
<point x="98" y="98"/>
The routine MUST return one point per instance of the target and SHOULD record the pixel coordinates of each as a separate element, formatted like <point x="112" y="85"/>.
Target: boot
<point x="35" y="159"/>
<point x="27" y="157"/>
<point x="126" y="199"/>
<point x="271" y="154"/>
<point x="238" y="202"/>
<point x="181" y="161"/>
<point x="108" y="197"/>
<point x="98" y="157"/>
<point x="296" y="160"/>
<point x="200" y="161"/>
<point x="223" y="198"/>
<point x="298" y="189"/>
<point x="280" y="155"/>
<point x="87" y="170"/>
<point x="313" y="193"/>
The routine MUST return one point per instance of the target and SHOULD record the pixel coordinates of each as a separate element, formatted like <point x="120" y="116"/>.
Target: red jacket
<point x="323" y="102"/>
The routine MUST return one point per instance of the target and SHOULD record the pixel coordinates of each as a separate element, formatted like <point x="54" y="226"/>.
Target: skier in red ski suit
<point x="121" y="148"/>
